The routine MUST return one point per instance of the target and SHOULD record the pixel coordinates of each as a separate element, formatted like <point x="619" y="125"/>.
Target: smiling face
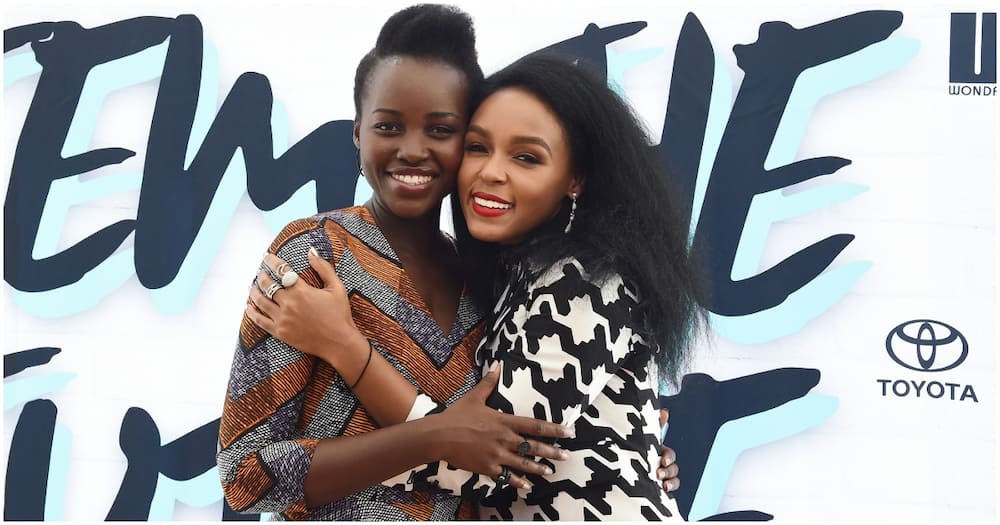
<point x="409" y="133"/>
<point x="517" y="171"/>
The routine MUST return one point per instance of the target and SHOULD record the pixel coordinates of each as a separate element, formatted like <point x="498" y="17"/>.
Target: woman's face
<point x="516" y="170"/>
<point x="409" y="133"/>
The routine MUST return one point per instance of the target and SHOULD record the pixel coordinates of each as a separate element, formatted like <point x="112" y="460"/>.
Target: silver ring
<point x="504" y="477"/>
<point x="269" y="271"/>
<point x="269" y="293"/>
<point x="282" y="265"/>
<point x="289" y="278"/>
<point x="256" y="282"/>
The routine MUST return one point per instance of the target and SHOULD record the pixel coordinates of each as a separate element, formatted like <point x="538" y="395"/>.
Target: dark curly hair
<point x="626" y="220"/>
<point x="437" y="32"/>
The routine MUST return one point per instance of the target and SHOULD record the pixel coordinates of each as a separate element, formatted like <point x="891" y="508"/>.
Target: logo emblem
<point x="962" y="67"/>
<point x="927" y="346"/>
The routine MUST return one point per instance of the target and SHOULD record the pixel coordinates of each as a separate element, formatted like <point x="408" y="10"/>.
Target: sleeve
<point x="423" y="406"/>
<point x="262" y="459"/>
<point x="440" y="476"/>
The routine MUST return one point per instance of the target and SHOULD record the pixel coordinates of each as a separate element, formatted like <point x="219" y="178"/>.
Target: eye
<point x="387" y="127"/>
<point x="475" y="147"/>
<point x="441" y="131"/>
<point x="528" y="158"/>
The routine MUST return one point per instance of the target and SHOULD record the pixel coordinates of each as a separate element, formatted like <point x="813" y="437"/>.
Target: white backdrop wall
<point x="802" y="404"/>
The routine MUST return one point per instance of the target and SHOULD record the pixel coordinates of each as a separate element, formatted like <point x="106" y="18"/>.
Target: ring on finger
<point x="269" y="293"/>
<point x="504" y="477"/>
<point x="256" y="282"/>
<point x="523" y="449"/>
<point x="271" y="273"/>
<point x="289" y="278"/>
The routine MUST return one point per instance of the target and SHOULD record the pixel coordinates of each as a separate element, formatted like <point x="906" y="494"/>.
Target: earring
<point x="572" y="213"/>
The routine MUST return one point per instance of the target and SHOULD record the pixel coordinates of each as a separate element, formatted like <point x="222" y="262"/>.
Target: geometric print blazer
<point x="280" y="401"/>
<point x="569" y="355"/>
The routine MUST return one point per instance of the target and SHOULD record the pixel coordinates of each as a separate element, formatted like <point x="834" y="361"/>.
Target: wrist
<point x="434" y="438"/>
<point x="345" y="354"/>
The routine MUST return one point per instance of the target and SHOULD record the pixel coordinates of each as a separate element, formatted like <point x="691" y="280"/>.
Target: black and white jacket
<point x="569" y="355"/>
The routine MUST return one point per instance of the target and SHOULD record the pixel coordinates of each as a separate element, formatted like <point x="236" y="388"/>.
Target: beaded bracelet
<point x="371" y="349"/>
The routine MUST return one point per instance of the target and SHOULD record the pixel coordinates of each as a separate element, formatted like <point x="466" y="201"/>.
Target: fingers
<point x="265" y="282"/>
<point x="542" y="450"/>
<point x="527" y="426"/>
<point x="526" y="465"/>
<point x="519" y="482"/>
<point x="668" y="457"/>
<point x="669" y="477"/>
<point x="672" y="483"/>
<point x="327" y="274"/>
<point x="277" y="265"/>
<point x="259" y="319"/>
<point x="487" y="384"/>
<point x="263" y="304"/>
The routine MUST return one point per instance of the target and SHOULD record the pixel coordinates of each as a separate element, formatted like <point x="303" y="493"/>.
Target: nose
<point x="413" y="149"/>
<point x="492" y="170"/>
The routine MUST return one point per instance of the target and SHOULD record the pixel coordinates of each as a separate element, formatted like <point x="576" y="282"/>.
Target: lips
<point x="488" y="205"/>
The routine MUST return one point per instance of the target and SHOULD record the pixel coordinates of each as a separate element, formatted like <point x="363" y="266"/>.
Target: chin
<point x="493" y="234"/>
<point x="413" y="209"/>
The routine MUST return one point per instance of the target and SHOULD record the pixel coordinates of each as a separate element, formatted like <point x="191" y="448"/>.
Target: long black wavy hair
<point x="626" y="219"/>
<point x="437" y="32"/>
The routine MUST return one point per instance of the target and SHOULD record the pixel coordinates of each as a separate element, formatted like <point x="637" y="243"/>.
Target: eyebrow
<point x="431" y="115"/>
<point x="520" y="139"/>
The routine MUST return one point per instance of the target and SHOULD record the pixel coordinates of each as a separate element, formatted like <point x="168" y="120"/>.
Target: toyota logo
<point x="927" y="346"/>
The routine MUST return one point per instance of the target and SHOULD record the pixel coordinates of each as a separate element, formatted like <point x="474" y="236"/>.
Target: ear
<point x="575" y="186"/>
<point x="357" y="133"/>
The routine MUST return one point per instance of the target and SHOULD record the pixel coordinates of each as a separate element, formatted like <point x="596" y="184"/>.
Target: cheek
<point x="467" y="174"/>
<point x="545" y="201"/>
<point x="373" y="152"/>
<point x="450" y="155"/>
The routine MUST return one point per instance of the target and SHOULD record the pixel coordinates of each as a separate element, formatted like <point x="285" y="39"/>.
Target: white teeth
<point x="414" y="180"/>
<point x="491" y="204"/>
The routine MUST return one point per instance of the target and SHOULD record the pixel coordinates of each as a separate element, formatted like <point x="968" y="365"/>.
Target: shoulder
<point x="569" y="277"/>
<point x="328" y="232"/>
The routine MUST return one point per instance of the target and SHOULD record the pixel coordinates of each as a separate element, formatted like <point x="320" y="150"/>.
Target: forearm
<point x="344" y="465"/>
<point x="384" y="392"/>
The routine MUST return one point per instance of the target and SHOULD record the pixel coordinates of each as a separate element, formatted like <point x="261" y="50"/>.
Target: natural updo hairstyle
<point x="437" y="32"/>
<point x="626" y="218"/>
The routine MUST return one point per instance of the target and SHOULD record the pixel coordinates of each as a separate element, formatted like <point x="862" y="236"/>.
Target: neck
<point x="406" y="234"/>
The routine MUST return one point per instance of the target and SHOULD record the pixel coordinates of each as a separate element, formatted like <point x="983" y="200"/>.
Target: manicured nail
<point x="493" y="367"/>
<point x="670" y="486"/>
<point x="569" y="432"/>
<point x="547" y="471"/>
<point x="661" y="474"/>
<point x="563" y="455"/>
<point x="526" y="485"/>
<point x="313" y="251"/>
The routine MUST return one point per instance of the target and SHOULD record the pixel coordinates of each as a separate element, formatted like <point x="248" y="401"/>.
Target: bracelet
<point x="371" y="349"/>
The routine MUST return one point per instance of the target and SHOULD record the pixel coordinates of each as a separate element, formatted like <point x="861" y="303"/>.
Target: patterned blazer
<point x="281" y="402"/>
<point x="570" y="355"/>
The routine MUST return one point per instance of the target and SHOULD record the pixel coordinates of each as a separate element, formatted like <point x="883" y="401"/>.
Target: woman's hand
<point x="667" y="472"/>
<point x="480" y="439"/>
<point x="315" y="320"/>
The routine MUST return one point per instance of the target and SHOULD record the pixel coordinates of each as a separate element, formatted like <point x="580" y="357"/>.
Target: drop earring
<point x="572" y="213"/>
